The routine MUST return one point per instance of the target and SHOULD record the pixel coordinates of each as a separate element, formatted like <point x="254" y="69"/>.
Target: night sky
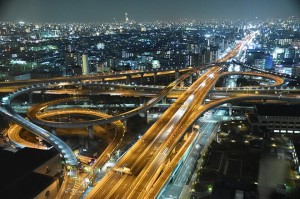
<point x="143" y="10"/>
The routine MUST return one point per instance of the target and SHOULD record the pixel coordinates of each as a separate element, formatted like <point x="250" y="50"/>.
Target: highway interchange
<point x="147" y="159"/>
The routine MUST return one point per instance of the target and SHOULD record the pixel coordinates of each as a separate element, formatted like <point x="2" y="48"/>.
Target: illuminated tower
<point x="85" y="64"/>
<point x="207" y="37"/>
<point x="126" y="18"/>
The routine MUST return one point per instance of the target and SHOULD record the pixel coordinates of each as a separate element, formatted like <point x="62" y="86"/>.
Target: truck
<point x="123" y="170"/>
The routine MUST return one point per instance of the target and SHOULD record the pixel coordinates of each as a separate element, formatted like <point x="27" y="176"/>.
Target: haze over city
<point x="143" y="10"/>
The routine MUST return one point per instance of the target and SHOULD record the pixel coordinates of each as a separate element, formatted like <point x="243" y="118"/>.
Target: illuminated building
<point x="267" y="117"/>
<point x="85" y="64"/>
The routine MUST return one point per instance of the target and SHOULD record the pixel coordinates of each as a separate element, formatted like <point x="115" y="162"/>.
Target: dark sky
<point x="143" y="10"/>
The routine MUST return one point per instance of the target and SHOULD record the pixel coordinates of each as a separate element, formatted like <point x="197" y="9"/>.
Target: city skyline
<point x="141" y="11"/>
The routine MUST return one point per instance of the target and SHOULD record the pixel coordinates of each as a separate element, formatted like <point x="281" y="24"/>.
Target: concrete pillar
<point x="30" y="96"/>
<point x="128" y="79"/>
<point x="147" y="116"/>
<point x="142" y="100"/>
<point x="190" y="79"/>
<point x="90" y="132"/>
<point x="182" y="84"/>
<point x="125" y="124"/>
<point x="230" y="109"/>
<point x="141" y="78"/>
<point x="86" y="143"/>
<point x="177" y="74"/>
<point x="154" y="78"/>
<point x="224" y="82"/>
<point x="53" y="131"/>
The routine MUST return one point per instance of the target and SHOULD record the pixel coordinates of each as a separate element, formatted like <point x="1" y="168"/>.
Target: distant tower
<point x="207" y="37"/>
<point x="126" y="17"/>
<point x="85" y="64"/>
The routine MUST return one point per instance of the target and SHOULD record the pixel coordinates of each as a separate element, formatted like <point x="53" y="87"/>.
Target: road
<point x="147" y="158"/>
<point x="179" y="181"/>
<point x="166" y="133"/>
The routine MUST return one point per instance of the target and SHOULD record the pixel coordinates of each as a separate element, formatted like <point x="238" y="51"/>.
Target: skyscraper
<point x="85" y="64"/>
<point x="126" y="17"/>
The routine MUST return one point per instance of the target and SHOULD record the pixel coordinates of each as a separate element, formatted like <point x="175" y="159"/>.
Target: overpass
<point x="63" y="148"/>
<point x="162" y="136"/>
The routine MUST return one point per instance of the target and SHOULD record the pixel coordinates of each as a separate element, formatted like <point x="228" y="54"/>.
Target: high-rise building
<point x="126" y="18"/>
<point x="72" y="59"/>
<point x="85" y="64"/>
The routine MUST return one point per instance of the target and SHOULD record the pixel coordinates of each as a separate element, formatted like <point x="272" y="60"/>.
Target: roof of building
<point x="278" y="110"/>
<point x="17" y="166"/>
<point x="28" y="187"/>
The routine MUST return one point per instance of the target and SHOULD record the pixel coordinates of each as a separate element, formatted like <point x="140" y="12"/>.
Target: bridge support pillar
<point x="154" y="78"/>
<point x="141" y="79"/>
<point x="128" y="79"/>
<point x="147" y="116"/>
<point x="90" y="132"/>
<point x="53" y="131"/>
<point x="142" y="100"/>
<point x="230" y="109"/>
<point x="182" y="84"/>
<point x="30" y="97"/>
<point x="190" y="79"/>
<point x="198" y="74"/>
<point x="177" y="74"/>
<point x="125" y="124"/>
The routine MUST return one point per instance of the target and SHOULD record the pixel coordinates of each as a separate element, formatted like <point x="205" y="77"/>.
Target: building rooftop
<point x="27" y="187"/>
<point x="278" y="110"/>
<point x="17" y="167"/>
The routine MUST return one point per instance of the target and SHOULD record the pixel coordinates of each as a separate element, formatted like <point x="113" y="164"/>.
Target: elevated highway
<point x="57" y="143"/>
<point x="122" y="116"/>
<point x="12" y="86"/>
<point x="168" y="130"/>
<point x="146" y="159"/>
<point x="158" y="142"/>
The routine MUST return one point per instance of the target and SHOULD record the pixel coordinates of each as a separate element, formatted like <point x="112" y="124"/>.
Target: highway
<point x="13" y="134"/>
<point x="186" y="167"/>
<point x="140" y="154"/>
<point x="12" y="86"/>
<point x="146" y="160"/>
<point x="77" y="185"/>
<point x="122" y="116"/>
<point x="62" y="147"/>
<point x="168" y="130"/>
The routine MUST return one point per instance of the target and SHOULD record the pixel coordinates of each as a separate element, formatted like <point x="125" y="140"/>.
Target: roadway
<point x="168" y="130"/>
<point x="122" y="116"/>
<point x="141" y="153"/>
<point x="63" y="148"/>
<point x="11" y="86"/>
<point x="147" y="157"/>
<point x="174" y="189"/>
<point x="33" y="112"/>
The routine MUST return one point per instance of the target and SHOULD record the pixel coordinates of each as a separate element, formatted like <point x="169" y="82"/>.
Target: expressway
<point x="76" y="185"/>
<point x="158" y="142"/>
<point x="122" y="116"/>
<point x="13" y="134"/>
<point x="33" y="112"/>
<point x="147" y="158"/>
<point x="12" y="86"/>
<point x="141" y="153"/>
<point x="63" y="148"/>
<point x="57" y="143"/>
